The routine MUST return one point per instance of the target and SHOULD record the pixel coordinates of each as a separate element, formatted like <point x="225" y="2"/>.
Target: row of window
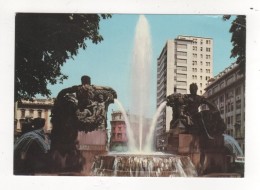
<point x="195" y="77"/>
<point x="195" y="41"/>
<point x="201" y="48"/>
<point x="201" y="70"/>
<point x="195" y="55"/>
<point x="222" y="85"/>
<point x="31" y="113"/>
<point x="201" y="63"/>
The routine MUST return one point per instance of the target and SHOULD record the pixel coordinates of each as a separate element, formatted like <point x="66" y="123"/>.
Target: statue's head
<point x="85" y="79"/>
<point x="193" y="88"/>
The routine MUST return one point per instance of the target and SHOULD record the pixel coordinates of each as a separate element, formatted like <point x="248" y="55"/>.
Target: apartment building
<point x="184" y="60"/>
<point x="227" y="91"/>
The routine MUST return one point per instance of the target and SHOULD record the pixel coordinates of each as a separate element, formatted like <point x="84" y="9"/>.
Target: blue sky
<point x="109" y="62"/>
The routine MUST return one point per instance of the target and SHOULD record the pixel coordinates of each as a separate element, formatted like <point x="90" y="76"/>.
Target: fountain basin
<point x="143" y="165"/>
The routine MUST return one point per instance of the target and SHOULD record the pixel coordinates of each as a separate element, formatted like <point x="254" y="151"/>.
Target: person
<point x="30" y="150"/>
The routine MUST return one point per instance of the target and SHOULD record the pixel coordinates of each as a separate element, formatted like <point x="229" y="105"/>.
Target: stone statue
<point x="185" y="109"/>
<point x="78" y="108"/>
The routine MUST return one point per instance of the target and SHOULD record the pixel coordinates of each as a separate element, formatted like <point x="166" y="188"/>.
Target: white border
<point x="7" y="11"/>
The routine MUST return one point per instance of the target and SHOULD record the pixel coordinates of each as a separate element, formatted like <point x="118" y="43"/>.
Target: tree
<point x="238" y="39"/>
<point x="43" y="42"/>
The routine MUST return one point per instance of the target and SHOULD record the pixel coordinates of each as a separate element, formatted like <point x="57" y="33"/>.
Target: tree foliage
<point x="43" y="42"/>
<point x="238" y="39"/>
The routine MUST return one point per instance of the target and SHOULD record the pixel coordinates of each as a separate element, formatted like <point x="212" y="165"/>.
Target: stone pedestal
<point x="207" y="155"/>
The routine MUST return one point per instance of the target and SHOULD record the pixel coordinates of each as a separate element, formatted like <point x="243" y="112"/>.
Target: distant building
<point x="33" y="109"/>
<point x="184" y="60"/>
<point x="119" y="139"/>
<point x="227" y="91"/>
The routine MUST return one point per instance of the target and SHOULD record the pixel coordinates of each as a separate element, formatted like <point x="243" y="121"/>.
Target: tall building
<point x="227" y="91"/>
<point x="184" y="60"/>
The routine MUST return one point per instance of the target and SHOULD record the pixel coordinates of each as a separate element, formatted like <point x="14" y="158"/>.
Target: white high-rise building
<point x="184" y="60"/>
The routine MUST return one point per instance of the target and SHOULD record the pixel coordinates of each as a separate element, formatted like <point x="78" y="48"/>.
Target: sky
<point x="109" y="62"/>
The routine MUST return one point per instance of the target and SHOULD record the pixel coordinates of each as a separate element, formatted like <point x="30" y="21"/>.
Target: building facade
<point x="118" y="138"/>
<point x="33" y="109"/>
<point x="227" y="91"/>
<point x="184" y="60"/>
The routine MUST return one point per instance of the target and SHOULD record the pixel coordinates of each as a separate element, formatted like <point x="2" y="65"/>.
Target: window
<point x="22" y="113"/>
<point x="201" y="70"/>
<point x="201" y="48"/>
<point x="230" y="80"/>
<point x="207" y="70"/>
<point x="194" y="77"/>
<point x="221" y="98"/>
<point x="208" y="49"/>
<point x="182" y="46"/>
<point x="201" y="55"/>
<point x="228" y="120"/>
<point x="207" y="41"/>
<point x="194" y="70"/>
<point x="201" y="41"/>
<point x="200" y="84"/>
<point x="194" y="55"/>
<point x="181" y="83"/>
<point x="238" y="104"/>
<point x="39" y="113"/>
<point x="194" y="41"/>
<point x="207" y="56"/>
<point x="182" y="53"/>
<point x="201" y="63"/>
<point x="194" y="48"/>
<point x="238" y="90"/>
<point x="31" y="113"/>
<point x="222" y="85"/>
<point x="183" y="76"/>
<point x="207" y="78"/>
<point x="181" y="68"/>
<point x="221" y="110"/>
<point x="181" y="61"/>
<point x="194" y="62"/>
<point x="207" y="63"/>
<point x="238" y="118"/>
<point x="200" y="77"/>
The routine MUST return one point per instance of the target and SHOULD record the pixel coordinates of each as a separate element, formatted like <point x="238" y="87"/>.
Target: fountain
<point x="141" y="160"/>
<point x="233" y="145"/>
<point x="198" y="147"/>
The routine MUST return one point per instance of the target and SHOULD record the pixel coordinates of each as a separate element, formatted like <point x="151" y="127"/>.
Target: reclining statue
<point x="185" y="108"/>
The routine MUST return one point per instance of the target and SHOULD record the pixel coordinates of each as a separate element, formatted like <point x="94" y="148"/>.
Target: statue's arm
<point x="210" y="104"/>
<point x="63" y="92"/>
<point x="106" y="88"/>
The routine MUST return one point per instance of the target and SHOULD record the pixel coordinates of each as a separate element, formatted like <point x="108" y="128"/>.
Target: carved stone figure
<point x="78" y="108"/>
<point x="185" y="109"/>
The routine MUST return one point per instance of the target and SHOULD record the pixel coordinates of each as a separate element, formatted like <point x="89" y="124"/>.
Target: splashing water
<point x="232" y="145"/>
<point x="130" y="135"/>
<point x="149" y="138"/>
<point x="141" y="74"/>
